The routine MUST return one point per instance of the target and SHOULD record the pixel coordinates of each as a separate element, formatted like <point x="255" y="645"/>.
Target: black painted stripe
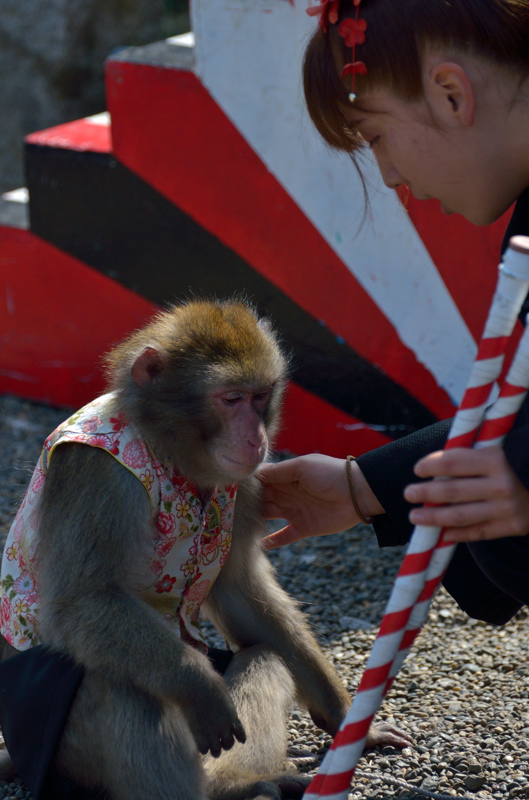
<point x="100" y="212"/>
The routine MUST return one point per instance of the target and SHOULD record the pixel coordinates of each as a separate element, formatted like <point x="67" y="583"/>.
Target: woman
<point x="438" y="90"/>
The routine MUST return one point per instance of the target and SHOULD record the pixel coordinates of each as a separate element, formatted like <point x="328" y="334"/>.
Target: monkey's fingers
<point x="204" y="745"/>
<point x="240" y="733"/>
<point x="236" y="731"/>
<point x="279" y="538"/>
<point x="218" y="740"/>
<point x="382" y="734"/>
<point x="214" y="748"/>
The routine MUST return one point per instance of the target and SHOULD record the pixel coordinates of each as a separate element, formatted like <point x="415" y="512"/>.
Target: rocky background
<point x="52" y="55"/>
<point x="463" y="693"/>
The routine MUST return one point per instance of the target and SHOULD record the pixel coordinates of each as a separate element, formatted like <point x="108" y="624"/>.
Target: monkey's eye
<point x="262" y="397"/>
<point x="232" y="399"/>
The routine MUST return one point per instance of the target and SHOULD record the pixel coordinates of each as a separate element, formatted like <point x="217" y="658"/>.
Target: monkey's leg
<point x="123" y="741"/>
<point x="263" y="691"/>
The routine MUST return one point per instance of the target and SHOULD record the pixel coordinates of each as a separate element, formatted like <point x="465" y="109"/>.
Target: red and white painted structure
<point x="206" y="176"/>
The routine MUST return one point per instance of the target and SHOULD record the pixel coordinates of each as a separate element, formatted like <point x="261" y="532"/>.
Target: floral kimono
<point x="190" y="543"/>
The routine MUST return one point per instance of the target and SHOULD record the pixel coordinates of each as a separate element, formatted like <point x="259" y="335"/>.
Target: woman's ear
<point x="449" y="93"/>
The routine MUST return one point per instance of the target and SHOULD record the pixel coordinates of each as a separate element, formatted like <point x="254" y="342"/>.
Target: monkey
<point x="142" y="513"/>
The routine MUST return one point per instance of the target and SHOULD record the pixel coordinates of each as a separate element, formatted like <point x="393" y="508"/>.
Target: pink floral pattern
<point x="165" y="584"/>
<point x="135" y="454"/>
<point x="91" y="425"/>
<point x="190" y="542"/>
<point x="165" y="523"/>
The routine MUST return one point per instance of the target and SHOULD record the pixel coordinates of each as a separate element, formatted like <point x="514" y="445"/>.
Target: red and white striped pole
<point x="416" y="581"/>
<point x="497" y="423"/>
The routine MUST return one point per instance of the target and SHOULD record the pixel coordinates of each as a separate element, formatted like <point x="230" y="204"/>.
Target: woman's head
<point x="399" y="33"/>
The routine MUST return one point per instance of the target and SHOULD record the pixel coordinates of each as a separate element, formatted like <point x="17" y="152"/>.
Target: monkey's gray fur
<point x="150" y="704"/>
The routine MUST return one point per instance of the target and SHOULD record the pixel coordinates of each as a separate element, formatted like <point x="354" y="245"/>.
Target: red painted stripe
<point x="47" y="354"/>
<point x="78" y="135"/>
<point x="375" y="676"/>
<point x="394" y="621"/>
<point x="510" y="390"/>
<point x="332" y="431"/>
<point x="442" y="542"/>
<point x="429" y="588"/>
<point x="464" y="440"/>
<point x="466" y="256"/>
<point x="162" y="121"/>
<point x="476" y="396"/>
<point x="409" y="637"/>
<point x="415" y="562"/>
<point x="351" y="733"/>
<point x="334" y="784"/>
<point x="495" y="428"/>
<point x="491" y="348"/>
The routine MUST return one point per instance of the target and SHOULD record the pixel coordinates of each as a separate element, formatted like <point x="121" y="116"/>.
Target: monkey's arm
<point x="249" y="607"/>
<point x="95" y="543"/>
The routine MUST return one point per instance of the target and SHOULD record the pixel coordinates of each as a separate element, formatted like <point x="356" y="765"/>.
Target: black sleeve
<point x="389" y="469"/>
<point x="516" y="449"/>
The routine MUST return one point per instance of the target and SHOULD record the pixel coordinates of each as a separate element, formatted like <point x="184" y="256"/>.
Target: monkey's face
<point x="240" y="443"/>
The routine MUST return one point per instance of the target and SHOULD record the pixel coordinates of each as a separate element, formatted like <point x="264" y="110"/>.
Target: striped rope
<point x="427" y="556"/>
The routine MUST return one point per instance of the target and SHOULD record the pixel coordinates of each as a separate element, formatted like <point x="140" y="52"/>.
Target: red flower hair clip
<point x="351" y="29"/>
<point x="353" y="32"/>
<point x="329" y="13"/>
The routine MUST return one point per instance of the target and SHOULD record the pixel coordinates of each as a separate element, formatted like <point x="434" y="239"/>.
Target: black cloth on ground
<point x="37" y="688"/>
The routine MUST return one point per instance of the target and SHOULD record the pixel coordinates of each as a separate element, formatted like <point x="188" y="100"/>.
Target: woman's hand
<point x="313" y="494"/>
<point x="479" y="496"/>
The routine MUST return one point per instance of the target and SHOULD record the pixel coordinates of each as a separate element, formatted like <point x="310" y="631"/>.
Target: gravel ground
<point x="463" y="693"/>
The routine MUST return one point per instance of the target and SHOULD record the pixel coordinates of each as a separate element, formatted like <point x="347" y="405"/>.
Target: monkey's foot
<point x="281" y="787"/>
<point x="382" y="734"/>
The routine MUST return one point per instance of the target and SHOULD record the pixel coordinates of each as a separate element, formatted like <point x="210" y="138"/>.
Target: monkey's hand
<point x="382" y="734"/>
<point x="208" y="707"/>
<point x="329" y="722"/>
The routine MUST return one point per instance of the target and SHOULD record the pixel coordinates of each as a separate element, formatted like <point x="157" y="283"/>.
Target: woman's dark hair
<point x="398" y="31"/>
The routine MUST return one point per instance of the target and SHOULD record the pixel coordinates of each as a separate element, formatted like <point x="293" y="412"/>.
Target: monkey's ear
<point x="148" y="367"/>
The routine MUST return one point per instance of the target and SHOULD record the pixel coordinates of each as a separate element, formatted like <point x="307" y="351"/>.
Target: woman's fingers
<point x="279" y="538"/>
<point x="456" y="516"/>
<point x="459" y="462"/>
<point x="475" y="496"/>
<point x="451" y="490"/>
